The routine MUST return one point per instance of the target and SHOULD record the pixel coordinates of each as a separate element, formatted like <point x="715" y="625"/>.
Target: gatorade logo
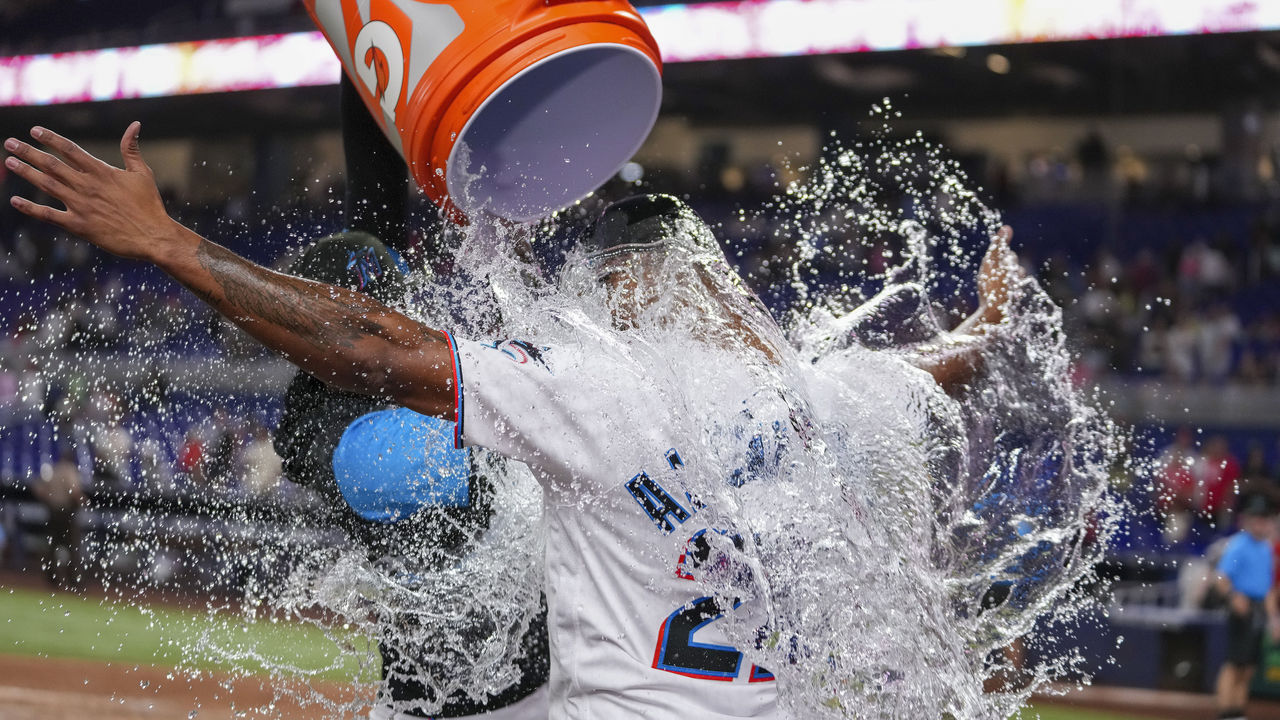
<point x="380" y="64"/>
<point x="386" y="46"/>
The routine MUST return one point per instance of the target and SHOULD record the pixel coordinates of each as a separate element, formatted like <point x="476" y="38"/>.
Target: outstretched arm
<point x="955" y="360"/>
<point x="342" y="337"/>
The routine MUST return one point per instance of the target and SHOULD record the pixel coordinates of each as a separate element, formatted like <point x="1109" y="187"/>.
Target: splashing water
<point x="922" y="533"/>
<point x="879" y="570"/>
<point x="880" y="564"/>
<point x="455" y="619"/>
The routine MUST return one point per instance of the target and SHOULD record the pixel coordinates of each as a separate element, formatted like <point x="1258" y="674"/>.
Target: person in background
<point x="260" y="465"/>
<point x="1176" y="486"/>
<point x="1256" y="478"/>
<point x="220" y="451"/>
<point x="1221" y="335"/>
<point x="111" y="442"/>
<point x="1246" y="576"/>
<point x="190" y="461"/>
<point x="1218" y="474"/>
<point x="392" y="479"/>
<point x="60" y="489"/>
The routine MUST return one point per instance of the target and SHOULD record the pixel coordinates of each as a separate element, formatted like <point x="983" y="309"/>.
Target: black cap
<point x="646" y="220"/>
<point x="1257" y="506"/>
<point x="354" y="260"/>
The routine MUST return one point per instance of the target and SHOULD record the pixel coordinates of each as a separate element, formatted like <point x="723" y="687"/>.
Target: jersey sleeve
<point x="546" y="407"/>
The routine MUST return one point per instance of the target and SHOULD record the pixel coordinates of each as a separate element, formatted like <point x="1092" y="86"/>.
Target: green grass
<point x="1062" y="713"/>
<point x="62" y="625"/>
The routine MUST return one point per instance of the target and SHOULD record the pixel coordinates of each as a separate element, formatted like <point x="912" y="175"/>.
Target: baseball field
<point x="65" y="656"/>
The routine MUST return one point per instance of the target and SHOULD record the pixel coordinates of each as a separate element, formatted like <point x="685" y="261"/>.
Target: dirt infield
<point x="34" y="688"/>
<point x="1162" y="704"/>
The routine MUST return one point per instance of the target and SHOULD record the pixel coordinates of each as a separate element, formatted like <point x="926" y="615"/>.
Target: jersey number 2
<point x="678" y="653"/>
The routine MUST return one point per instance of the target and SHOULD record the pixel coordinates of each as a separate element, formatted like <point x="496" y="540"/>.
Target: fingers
<point x="44" y="213"/>
<point x="75" y="155"/>
<point x="1000" y="242"/>
<point x="43" y="181"/>
<point x="1000" y="257"/>
<point x="130" y="150"/>
<point x="40" y="160"/>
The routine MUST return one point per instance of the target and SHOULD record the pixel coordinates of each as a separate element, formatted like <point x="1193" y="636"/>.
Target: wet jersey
<point x="630" y="634"/>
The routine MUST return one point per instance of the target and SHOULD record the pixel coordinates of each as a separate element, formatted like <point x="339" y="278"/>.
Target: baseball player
<point x="392" y="477"/>
<point x="395" y="483"/>
<point x="630" y="635"/>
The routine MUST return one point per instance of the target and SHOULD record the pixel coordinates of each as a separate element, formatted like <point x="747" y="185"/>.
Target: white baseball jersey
<point x="630" y="635"/>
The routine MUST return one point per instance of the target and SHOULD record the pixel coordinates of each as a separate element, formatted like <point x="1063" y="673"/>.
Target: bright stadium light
<point x="249" y="63"/>
<point x="685" y="32"/>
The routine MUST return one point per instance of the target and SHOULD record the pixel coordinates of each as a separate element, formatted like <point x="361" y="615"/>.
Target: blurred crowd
<point x="1205" y="311"/>
<point x="149" y="441"/>
<point x="1198" y="485"/>
<point x="152" y="486"/>
<point x="1179" y="304"/>
<point x="1195" y="309"/>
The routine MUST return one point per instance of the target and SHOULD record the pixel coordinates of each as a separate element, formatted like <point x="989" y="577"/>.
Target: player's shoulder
<point x="574" y="372"/>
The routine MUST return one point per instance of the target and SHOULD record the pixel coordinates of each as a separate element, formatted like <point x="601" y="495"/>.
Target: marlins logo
<point x="364" y="266"/>
<point x="522" y="351"/>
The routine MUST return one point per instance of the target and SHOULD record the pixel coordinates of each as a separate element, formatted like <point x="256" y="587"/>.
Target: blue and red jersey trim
<point x="457" y="391"/>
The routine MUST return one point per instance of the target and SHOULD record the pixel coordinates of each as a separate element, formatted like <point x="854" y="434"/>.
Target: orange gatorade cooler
<point x="510" y="107"/>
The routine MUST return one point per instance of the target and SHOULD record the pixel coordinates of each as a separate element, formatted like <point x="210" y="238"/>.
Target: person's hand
<point x="118" y="210"/>
<point x="997" y="275"/>
<point x="1273" y="628"/>
<point x="1239" y="604"/>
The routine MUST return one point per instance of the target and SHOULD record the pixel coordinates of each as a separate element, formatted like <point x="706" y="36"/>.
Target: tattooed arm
<point x="343" y="337"/>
